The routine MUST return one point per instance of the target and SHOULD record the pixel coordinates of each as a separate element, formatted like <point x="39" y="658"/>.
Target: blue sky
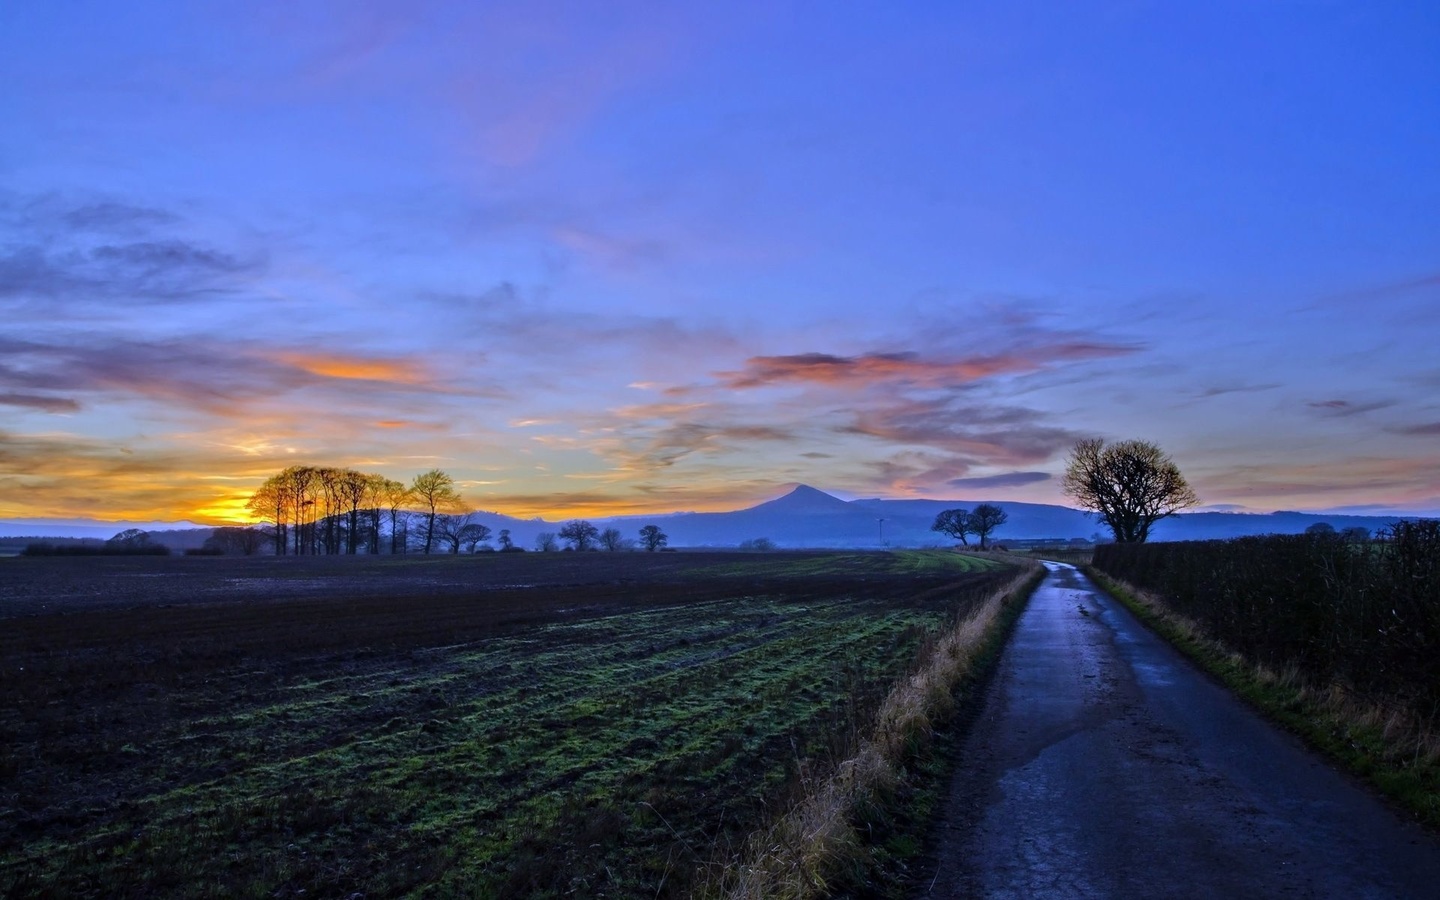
<point x="625" y="257"/>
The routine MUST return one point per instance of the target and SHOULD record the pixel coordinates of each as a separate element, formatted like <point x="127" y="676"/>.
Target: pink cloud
<point x="908" y="368"/>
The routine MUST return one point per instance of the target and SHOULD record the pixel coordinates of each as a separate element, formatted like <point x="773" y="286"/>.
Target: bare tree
<point x="330" y="481"/>
<point x="395" y="496"/>
<point x="955" y="523"/>
<point x="545" y="542"/>
<point x="299" y="483"/>
<point x="1130" y="485"/>
<point x="984" y="520"/>
<point x="374" y="510"/>
<point x="505" y="542"/>
<point x="351" y="487"/>
<point x="611" y="539"/>
<point x="228" y="540"/>
<point x="460" y="529"/>
<point x="473" y="534"/>
<point x="271" y="503"/>
<point x="653" y="538"/>
<point x="435" y="490"/>
<point x="579" y="533"/>
<point x="450" y="528"/>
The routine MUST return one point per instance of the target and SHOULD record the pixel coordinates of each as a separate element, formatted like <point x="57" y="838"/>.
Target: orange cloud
<point x="357" y="368"/>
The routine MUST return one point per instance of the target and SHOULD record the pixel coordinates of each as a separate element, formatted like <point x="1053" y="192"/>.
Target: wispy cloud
<point x="72" y="476"/>
<point x="992" y="435"/>
<point x="1345" y="408"/>
<point x="907" y="368"/>
<point x="60" y="257"/>
<point x="1224" y="389"/>
<point x="1353" y="479"/>
<point x="1426" y="429"/>
<point x="204" y="375"/>
<point x="41" y="402"/>
<point x="1009" y="479"/>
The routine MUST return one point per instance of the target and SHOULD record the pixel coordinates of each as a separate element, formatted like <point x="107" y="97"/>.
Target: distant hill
<point x="807" y="517"/>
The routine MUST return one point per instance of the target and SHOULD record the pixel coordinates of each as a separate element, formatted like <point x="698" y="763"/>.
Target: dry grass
<point x="817" y="845"/>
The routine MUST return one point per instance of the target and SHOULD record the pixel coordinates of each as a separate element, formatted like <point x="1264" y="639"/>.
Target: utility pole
<point x="882" y="531"/>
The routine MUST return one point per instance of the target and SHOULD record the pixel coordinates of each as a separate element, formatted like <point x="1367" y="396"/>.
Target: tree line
<point x="313" y="510"/>
<point x="1128" y="485"/>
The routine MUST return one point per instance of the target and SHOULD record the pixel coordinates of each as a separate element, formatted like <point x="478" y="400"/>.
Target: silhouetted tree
<point x="473" y="534"/>
<point x="270" y="503"/>
<point x="984" y="520"/>
<point x="374" y="510"/>
<point x="435" y="491"/>
<point x="1320" y="528"/>
<point x="954" y="523"/>
<point x="611" y="539"/>
<point x="351" y="487"/>
<point x="235" y="541"/>
<point x="1130" y="485"/>
<point x="1356" y="534"/>
<point x="653" y="538"/>
<point x="450" y="529"/>
<point x="758" y="545"/>
<point x="579" y="533"/>
<point x="545" y="542"/>
<point x="394" y="496"/>
<point x="505" y="542"/>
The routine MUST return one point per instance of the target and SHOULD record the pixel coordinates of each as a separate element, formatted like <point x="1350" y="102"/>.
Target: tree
<point x="984" y="520"/>
<point x="473" y="534"/>
<point x="611" y="539"/>
<point x="450" y="529"/>
<point x="271" y="503"/>
<point x="954" y="522"/>
<point x="579" y="534"/>
<point x="653" y="538"/>
<point x="1320" y="528"/>
<point x="352" y="488"/>
<point x="505" y="542"/>
<point x="374" y="511"/>
<point x="1356" y="534"/>
<point x="758" y="545"/>
<point x="545" y="542"/>
<point x="395" y="495"/>
<point x="435" y="490"/>
<point x="228" y="540"/>
<point x="1130" y="485"/>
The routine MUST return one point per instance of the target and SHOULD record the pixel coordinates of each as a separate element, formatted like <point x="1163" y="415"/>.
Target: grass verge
<point x="1391" y="747"/>
<point x="847" y="830"/>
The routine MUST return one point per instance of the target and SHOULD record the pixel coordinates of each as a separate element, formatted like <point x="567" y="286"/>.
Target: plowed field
<point x="496" y="725"/>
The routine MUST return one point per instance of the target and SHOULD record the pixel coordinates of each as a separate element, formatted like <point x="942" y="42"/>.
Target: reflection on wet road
<point x="1104" y="765"/>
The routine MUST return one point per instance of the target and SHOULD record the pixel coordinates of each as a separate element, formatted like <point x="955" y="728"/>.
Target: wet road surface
<point x="1103" y="764"/>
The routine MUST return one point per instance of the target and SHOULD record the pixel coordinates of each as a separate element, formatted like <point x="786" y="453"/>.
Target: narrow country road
<point x="1103" y="764"/>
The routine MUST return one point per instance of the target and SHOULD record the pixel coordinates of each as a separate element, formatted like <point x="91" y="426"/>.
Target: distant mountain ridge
<point x="809" y="517"/>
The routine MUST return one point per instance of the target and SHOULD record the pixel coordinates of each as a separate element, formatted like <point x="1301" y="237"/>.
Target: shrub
<point x="1365" y="616"/>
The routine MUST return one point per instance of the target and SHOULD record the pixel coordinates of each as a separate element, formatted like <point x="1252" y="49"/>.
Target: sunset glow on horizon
<point x="620" y="259"/>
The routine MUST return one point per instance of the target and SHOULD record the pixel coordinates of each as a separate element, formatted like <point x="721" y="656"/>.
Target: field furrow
<point x="513" y="747"/>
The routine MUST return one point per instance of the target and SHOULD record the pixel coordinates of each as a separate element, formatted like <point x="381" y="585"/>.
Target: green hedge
<point x="1364" y="614"/>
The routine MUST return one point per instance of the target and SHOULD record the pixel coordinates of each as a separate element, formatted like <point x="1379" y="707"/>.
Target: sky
<point x="606" y="258"/>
